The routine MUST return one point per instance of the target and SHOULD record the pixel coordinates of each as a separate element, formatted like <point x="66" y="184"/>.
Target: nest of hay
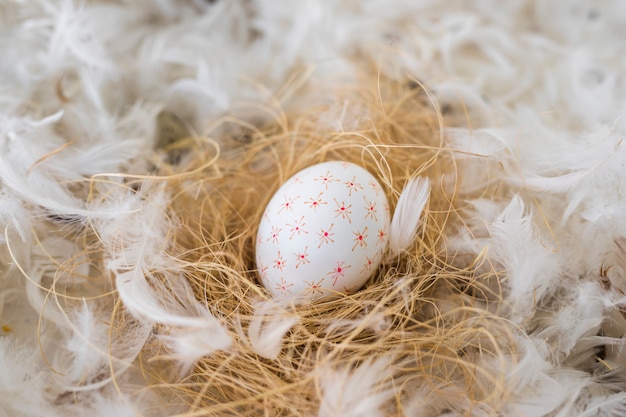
<point x="422" y="320"/>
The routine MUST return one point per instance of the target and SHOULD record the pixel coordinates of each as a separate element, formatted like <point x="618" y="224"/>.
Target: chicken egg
<point x="323" y="232"/>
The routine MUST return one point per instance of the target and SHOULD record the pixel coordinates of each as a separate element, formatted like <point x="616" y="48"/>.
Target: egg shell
<point x="324" y="232"/>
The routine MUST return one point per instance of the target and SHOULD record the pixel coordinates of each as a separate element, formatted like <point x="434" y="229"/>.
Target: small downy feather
<point x="190" y="330"/>
<point x="357" y="392"/>
<point x="137" y="246"/>
<point x="94" y="355"/>
<point x="579" y="318"/>
<point x="610" y="406"/>
<point x="518" y="245"/>
<point x="406" y="219"/>
<point x="268" y="327"/>
<point x="24" y="382"/>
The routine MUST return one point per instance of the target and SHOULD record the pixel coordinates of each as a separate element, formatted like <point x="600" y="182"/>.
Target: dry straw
<point x="422" y="318"/>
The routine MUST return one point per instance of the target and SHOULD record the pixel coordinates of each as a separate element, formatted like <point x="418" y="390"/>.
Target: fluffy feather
<point x="359" y="392"/>
<point x="406" y="218"/>
<point x="611" y="406"/>
<point x="580" y="317"/>
<point x="268" y="327"/>
<point x="535" y="388"/>
<point x="23" y="382"/>
<point x="135" y="254"/>
<point x="93" y="355"/>
<point x="514" y="242"/>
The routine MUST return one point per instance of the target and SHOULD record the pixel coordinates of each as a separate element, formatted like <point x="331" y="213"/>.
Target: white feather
<point x="93" y="356"/>
<point x="535" y="387"/>
<point x="406" y="218"/>
<point x="359" y="392"/>
<point x="267" y="328"/>
<point x="580" y="315"/>
<point x="531" y="269"/>
<point x="610" y="406"/>
<point x="24" y="383"/>
<point x="137" y="246"/>
<point x="191" y="331"/>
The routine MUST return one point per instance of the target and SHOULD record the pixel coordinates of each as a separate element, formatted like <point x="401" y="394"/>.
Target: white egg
<point x="323" y="232"/>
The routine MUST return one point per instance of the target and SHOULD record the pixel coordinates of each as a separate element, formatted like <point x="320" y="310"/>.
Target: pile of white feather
<point x="539" y="89"/>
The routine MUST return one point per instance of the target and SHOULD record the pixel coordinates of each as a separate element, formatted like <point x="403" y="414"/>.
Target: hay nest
<point x="423" y="320"/>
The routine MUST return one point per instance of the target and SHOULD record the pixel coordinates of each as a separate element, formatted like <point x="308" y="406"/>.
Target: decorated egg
<point x="324" y="232"/>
